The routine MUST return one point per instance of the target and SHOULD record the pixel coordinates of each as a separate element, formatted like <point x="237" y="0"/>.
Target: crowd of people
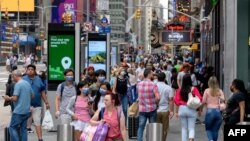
<point x="161" y="87"/>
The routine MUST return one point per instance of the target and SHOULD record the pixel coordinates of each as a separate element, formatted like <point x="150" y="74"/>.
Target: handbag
<point x="193" y="102"/>
<point x="222" y="105"/>
<point x="101" y="132"/>
<point x="88" y="133"/>
<point x="133" y="109"/>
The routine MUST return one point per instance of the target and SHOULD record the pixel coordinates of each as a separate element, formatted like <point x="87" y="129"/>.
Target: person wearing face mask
<point x="236" y="104"/>
<point x="120" y="88"/>
<point x="100" y="76"/>
<point x="99" y="99"/>
<point x="78" y="107"/>
<point x="64" y="92"/>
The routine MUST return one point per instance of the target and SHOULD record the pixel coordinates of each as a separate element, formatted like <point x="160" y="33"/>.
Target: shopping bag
<point x="47" y="121"/>
<point x="101" y="132"/>
<point x="88" y="133"/>
<point x="133" y="109"/>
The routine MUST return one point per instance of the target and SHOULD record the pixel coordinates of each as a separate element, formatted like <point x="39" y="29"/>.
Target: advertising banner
<point x="61" y="55"/>
<point x="61" y="7"/>
<point x="12" y="5"/>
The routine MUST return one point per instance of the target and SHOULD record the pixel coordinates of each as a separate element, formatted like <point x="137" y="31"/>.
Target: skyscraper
<point x="117" y="19"/>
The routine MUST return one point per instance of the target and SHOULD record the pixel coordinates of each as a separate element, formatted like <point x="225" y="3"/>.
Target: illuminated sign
<point x="175" y="26"/>
<point x="178" y="37"/>
<point x="12" y="5"/>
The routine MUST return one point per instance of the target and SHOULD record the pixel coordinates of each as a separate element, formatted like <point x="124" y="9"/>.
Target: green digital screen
<point x="61" y="56"/>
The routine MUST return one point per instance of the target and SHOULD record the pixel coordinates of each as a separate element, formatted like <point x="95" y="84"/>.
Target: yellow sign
<point x="249" y="41"/>
<point x="12" y="5"/>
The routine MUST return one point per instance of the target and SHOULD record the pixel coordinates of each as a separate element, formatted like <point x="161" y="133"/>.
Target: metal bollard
<point x="154" y="132"/>
<point x="65" y="132"/>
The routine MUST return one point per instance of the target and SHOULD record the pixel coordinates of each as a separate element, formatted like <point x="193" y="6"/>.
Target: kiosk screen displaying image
<point x="97" y="54"/>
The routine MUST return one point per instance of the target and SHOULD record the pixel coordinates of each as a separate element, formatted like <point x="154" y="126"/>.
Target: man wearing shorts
<point x="36" y="103"/>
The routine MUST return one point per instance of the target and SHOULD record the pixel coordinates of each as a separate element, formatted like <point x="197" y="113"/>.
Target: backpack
<point x="63" y="85"/>
<point x="101" y="114"/>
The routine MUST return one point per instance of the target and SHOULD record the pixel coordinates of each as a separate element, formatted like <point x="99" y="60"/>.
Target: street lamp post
<point x="43" y="8"/>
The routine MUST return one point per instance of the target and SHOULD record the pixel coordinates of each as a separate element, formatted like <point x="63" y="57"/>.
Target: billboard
<point x="12" y="5"/>
<point x="61" y="55"/>
<point x="61" y="7"/>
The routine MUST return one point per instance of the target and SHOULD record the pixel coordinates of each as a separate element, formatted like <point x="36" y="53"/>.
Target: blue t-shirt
<point x="23" y="91"/>
<point x="37" y="87"/>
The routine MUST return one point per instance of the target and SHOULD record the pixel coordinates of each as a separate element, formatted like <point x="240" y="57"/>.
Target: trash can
<point x="65" y="132"/>
<point x="154" y="132"/>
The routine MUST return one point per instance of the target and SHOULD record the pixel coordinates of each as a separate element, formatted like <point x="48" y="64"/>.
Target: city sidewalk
<point x="174" y="133"/>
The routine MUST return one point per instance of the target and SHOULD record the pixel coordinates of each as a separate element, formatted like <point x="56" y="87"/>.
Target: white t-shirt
<point x="180" y="77"/>
<point x="132" y="79"/>
<point x="165" y="92"/>
<point x="139" y="71"/>
<point x="168" y="76"/>
<point x="8" y="62"/>
<point x="194" y="80"/>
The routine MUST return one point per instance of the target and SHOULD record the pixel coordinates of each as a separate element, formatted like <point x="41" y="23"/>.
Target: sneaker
<point x="30" y="130"/>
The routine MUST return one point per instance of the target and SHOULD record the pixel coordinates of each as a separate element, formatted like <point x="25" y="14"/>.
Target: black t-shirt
<point x="121" y="87"/>
<point x="233" y="103"/>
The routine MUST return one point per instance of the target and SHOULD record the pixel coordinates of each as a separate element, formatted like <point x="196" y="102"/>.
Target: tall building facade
<point x="117" y="19"/>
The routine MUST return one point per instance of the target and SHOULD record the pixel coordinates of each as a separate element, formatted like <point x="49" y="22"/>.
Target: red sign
<point x="175" y="27"/>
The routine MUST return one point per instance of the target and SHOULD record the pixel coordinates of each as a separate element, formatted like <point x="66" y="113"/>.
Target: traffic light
<point x="138" y="14"/>
<point x="6" y="14"/>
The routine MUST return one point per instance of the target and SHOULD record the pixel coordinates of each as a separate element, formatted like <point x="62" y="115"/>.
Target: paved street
<point x="173" y="135"/>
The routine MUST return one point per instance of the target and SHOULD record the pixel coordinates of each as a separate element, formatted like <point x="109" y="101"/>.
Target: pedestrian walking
<point x="99" y="99"/>
<point x="212" y="98"/>
<point x="120" y="88"/>
<point x="165" y="108"/>
<point x="39" y="90"/>
<point x="79" y="109"/>
<point x="65" y="91"/>
<point x="186" y="114"/>
<point x="22" y="98"/>
<point x="148" y="96"/>
<point x="7" y="63"/>
<point x="113" y="116"/>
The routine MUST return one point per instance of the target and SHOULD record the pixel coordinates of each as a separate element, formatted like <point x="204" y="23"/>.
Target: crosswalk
<point x="3" y="80"/>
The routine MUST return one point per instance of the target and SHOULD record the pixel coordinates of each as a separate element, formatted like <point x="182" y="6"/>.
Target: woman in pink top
<point x="212" y="98"/>
<point x="78" y="107"/>
<point x="114" y="117"/>
<point x="186" y="114"/>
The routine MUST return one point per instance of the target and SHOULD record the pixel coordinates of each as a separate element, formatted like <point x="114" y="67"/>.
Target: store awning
<point x="185" y="47"/>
